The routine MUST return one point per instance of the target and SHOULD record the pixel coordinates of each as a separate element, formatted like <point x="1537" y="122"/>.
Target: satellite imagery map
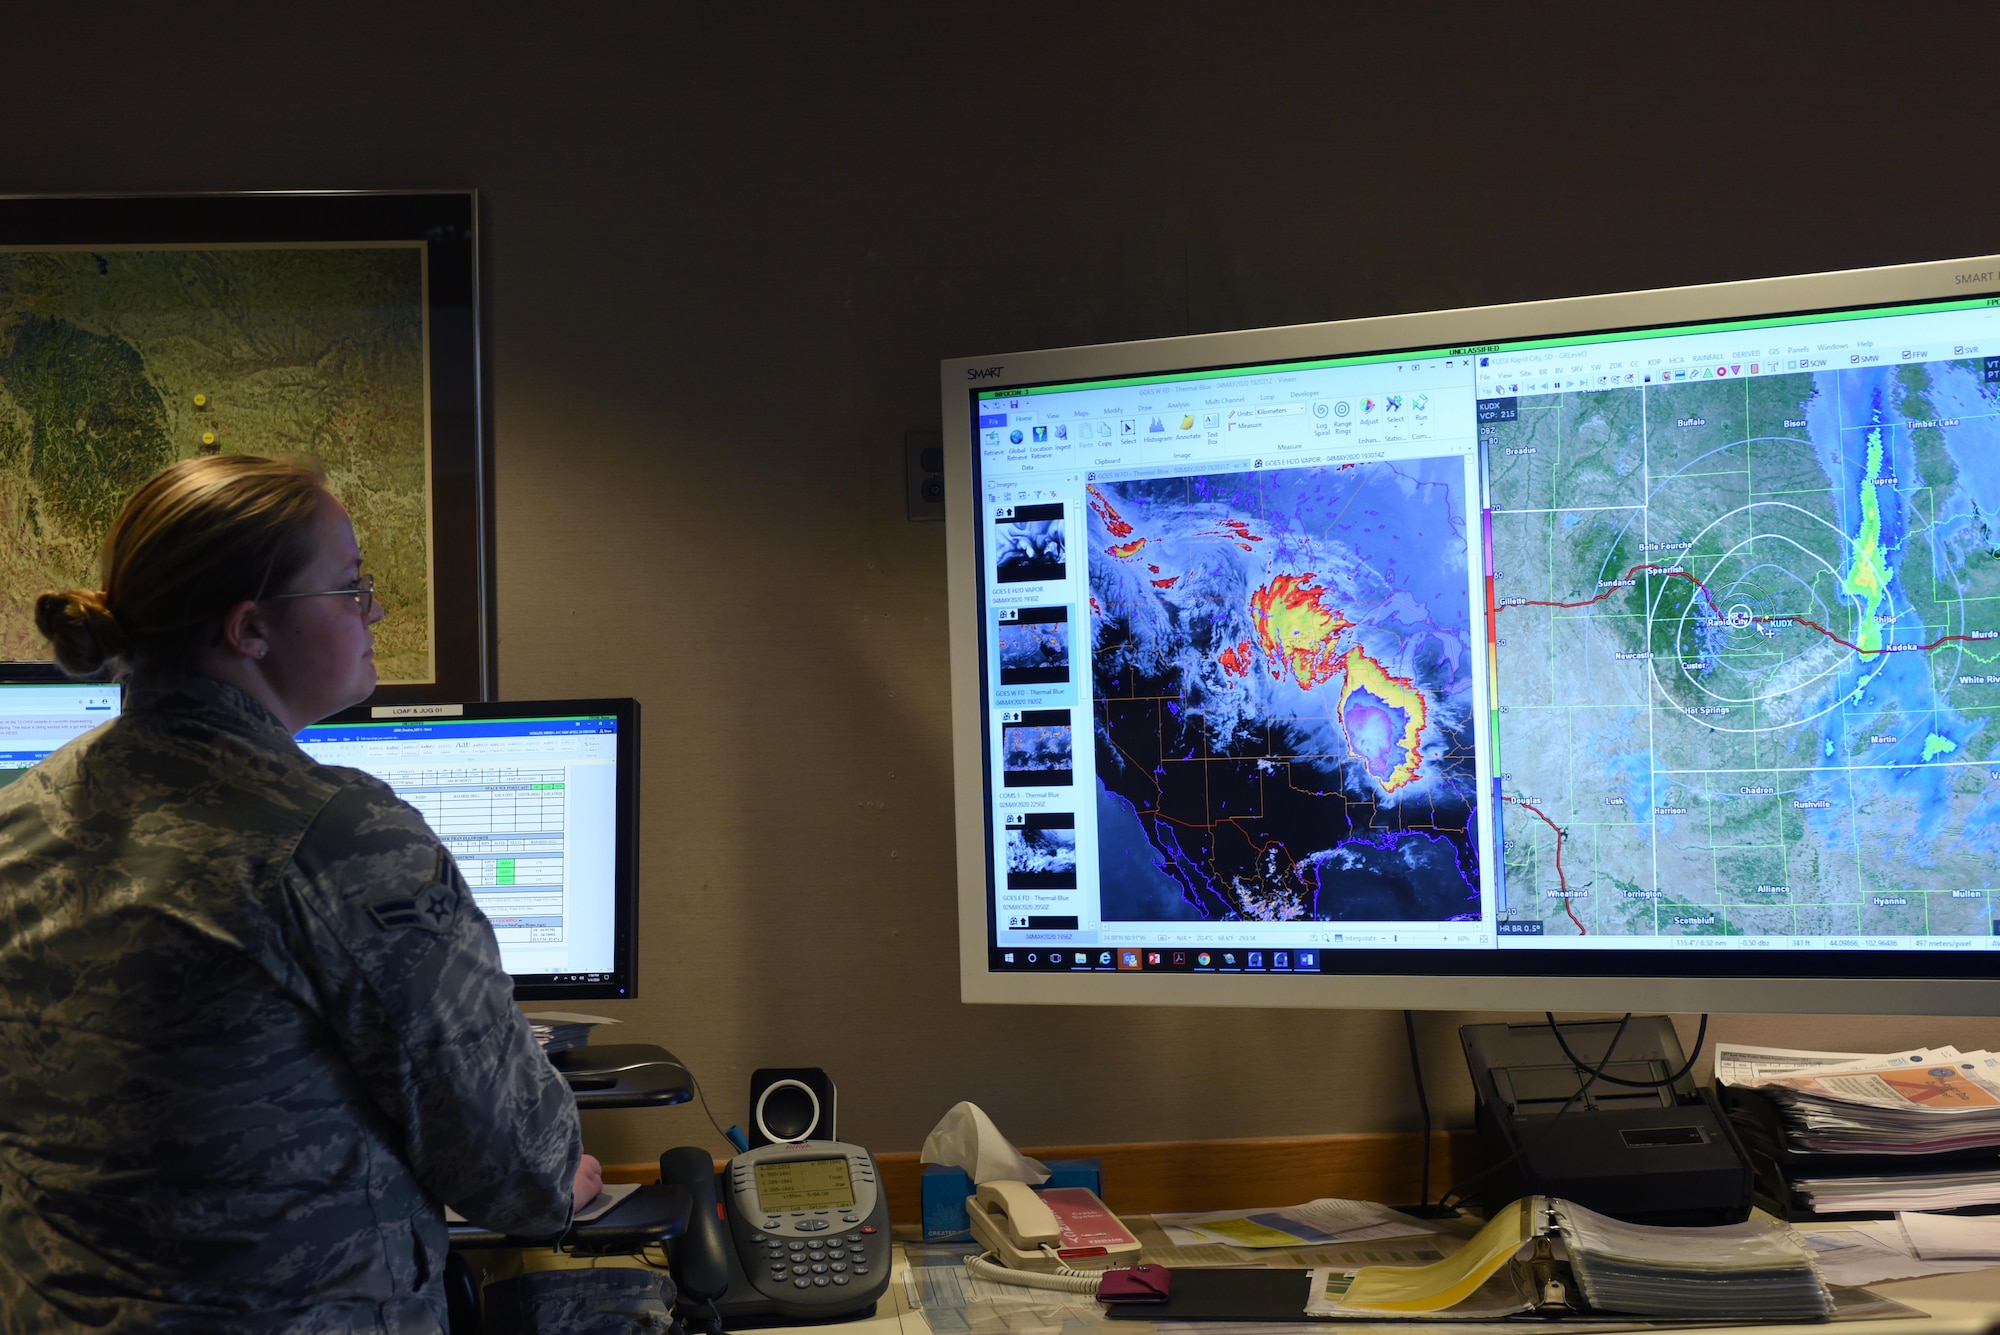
<point x="1281" y="673"/>
<point x="117" y="362"/>
<point x="1748" y="648"/>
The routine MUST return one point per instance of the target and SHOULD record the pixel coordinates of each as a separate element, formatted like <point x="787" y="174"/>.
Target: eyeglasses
<point x="362" y="591"/>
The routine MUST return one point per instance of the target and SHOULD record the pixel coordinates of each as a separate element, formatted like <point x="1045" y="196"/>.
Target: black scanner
<point x="1648" y="1151"/>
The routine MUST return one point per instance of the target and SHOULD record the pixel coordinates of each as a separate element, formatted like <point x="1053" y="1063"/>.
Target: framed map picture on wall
<point x="135" y="331"/>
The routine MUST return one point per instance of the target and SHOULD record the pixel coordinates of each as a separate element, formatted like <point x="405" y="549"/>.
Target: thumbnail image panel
<point x="1034" y="646"/>
<point x="1041" y="851"/>
<point x="1030" y="543"/>
<point x="1035" y="748"/>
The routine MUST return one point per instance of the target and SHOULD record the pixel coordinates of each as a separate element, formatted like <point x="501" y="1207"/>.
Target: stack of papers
<point x="1870" y="1193"/>
<point x="1316" y="1223"/>
<point x="1758" y="1269"/>
<point x="558" y="1031"/>
<point x="1924" y="1101"/>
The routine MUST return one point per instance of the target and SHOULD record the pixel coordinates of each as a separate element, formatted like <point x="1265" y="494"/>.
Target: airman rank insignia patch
<point x="433" y="908"/>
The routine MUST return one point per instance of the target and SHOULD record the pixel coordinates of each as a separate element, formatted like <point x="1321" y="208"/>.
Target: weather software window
<point x="1234" y="626"/>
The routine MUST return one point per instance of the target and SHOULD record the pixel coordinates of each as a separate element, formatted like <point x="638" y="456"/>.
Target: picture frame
<point x="137" y="329"/>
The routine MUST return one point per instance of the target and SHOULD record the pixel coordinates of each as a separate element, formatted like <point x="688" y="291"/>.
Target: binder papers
<point x="1758" y="1270"/>
<point x="1427" y="1290"/>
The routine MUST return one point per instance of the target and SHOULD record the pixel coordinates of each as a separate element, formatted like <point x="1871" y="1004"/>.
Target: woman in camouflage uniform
<point x="239" y="1077"/>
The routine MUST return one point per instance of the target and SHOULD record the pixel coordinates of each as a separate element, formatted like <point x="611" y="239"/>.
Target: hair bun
<point x="82" y="629"/>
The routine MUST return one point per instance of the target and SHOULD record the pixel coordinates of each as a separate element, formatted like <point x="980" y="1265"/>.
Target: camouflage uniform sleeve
<point x="409" y="978"/>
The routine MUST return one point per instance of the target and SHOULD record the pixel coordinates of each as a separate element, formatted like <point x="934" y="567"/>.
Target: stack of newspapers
<point x="1869" y="1133"/>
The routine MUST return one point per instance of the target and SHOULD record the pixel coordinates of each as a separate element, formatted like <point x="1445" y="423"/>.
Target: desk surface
<point x="1964" y="1304"/>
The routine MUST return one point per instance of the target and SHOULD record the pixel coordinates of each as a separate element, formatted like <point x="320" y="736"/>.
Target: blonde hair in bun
<point x="81" y="629"/>
<point x="195" y="539"/>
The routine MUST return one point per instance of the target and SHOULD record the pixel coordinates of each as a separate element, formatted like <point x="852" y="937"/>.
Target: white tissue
<point x="966" y="1138"/>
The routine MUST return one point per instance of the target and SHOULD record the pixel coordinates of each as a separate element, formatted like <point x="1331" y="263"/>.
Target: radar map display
<point x="1748" y="655"/>
<point x="114" y="363"/>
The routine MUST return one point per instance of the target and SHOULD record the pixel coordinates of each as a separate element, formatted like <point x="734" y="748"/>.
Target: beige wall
<point x="724" y="262"/>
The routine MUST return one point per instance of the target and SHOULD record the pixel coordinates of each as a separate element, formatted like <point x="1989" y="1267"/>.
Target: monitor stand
<point x="623" y="1075"/>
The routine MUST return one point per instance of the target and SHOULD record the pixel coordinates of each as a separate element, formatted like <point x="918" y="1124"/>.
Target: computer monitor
<point x="538" y="803"/>
<point x="1632" y="651"/>
<point x="38" y="716"/>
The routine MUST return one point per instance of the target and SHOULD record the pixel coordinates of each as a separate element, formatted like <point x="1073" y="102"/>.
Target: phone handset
<point x="699" y="1256"/>
<point x="1013" y="1222"/>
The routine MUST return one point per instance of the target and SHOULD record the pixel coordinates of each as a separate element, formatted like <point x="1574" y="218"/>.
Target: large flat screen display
<point x="1633" y="650"/>
<point x="536" y="802"/>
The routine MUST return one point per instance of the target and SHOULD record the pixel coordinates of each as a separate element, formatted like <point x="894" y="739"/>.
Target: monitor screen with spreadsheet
<point x="36" y="717"/>
<point x="1628" y="651"/>
<point x="537" y="803"/>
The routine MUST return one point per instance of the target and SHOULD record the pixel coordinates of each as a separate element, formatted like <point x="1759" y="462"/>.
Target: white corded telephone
<point x="1021" y="1229"/>
<point x="1015" y="1224"/>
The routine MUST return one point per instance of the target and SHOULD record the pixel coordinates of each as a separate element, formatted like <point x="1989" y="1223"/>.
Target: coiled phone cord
<point x="1063" y="1280"/>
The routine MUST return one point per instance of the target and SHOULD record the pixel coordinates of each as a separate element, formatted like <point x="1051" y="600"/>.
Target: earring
<point x="262" y="650"/>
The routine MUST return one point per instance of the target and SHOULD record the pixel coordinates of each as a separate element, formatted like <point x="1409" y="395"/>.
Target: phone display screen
<point x="804" y="1184"/>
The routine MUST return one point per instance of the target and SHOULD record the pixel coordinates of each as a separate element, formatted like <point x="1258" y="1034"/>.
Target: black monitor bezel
<point x="623" y="983"/>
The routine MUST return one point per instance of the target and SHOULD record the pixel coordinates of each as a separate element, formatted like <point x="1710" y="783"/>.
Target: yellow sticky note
<point x="1446" y="1283"/>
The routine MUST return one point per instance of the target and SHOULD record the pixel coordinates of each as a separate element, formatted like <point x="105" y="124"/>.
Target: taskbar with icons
<point x="1146" y="959"/>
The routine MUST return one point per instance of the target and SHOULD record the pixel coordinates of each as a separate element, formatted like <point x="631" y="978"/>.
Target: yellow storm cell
<point x="1384" y="720"/>
<point x="1297" y="628"/>
<point x="1867" y="577"/>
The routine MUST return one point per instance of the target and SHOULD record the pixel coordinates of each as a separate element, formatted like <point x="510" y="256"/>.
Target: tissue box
<point x="945" y="1190"/>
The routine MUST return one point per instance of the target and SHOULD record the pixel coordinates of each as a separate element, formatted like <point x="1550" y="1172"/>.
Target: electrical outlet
<point x="923" y="460"/>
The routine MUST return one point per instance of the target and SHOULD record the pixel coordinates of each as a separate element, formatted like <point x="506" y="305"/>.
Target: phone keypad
<point x="816" y="1262"/>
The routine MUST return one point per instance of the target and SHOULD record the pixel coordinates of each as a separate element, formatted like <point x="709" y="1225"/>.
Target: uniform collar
<point x="203" y="700"/>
